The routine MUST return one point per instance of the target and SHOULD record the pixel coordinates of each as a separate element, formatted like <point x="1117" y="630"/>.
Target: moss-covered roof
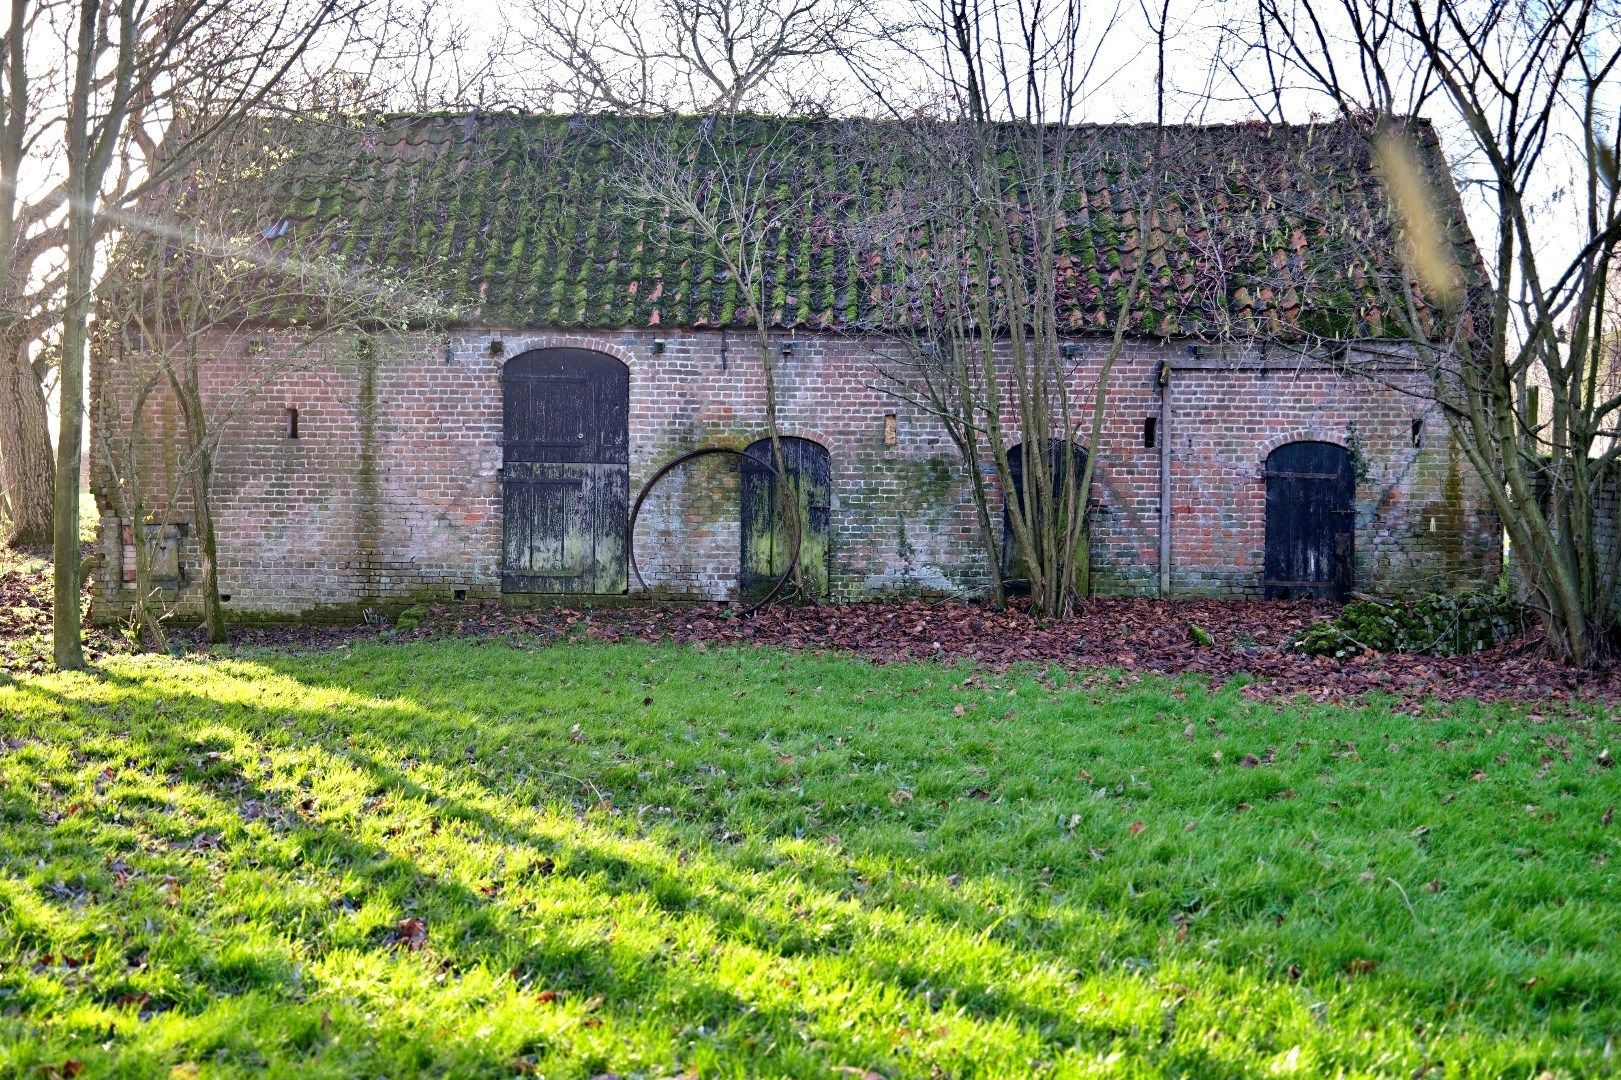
<point x="535" y="221"/>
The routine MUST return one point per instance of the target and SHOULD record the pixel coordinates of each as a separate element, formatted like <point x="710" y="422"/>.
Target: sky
<point x="1122" y="87"/>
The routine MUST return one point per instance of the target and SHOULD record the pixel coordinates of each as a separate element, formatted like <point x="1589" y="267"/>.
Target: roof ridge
<point x="675" y="118"/>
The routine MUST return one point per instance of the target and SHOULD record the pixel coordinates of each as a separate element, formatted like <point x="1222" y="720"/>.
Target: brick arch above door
<point x="518" y="344"/>
<point x="1305" y="434"/>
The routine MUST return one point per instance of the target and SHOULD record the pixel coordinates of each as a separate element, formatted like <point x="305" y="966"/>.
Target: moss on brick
<point x="924" y="484"/>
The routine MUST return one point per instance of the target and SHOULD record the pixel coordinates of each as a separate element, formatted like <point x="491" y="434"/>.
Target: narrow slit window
<point x="290" y="418"/>
<point x="1150" y="431"/>
<point x="1418" y="432"/>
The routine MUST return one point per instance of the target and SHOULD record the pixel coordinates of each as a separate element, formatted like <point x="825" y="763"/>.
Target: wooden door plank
<point x="565" y="435"/>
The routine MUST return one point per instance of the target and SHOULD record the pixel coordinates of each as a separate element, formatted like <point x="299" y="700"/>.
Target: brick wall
<point x="391" y="492"/>
<point x="1607" y="523"/>
<point x="1606" y="503"/>
<point x="1422" y="521"/>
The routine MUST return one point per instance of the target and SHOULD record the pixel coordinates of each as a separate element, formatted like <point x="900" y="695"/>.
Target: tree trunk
<point x="208" y="549"/>
<point x="67" y="616"/>
<point x="202" y="476"/>
<point x="787" y="490"/>
<point x="26" y="458"/>
<point x="88" y="147"/>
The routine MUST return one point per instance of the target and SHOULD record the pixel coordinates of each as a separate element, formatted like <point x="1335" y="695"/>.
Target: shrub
<point x="411" y="618"/>
<point x="1434" y="623"/>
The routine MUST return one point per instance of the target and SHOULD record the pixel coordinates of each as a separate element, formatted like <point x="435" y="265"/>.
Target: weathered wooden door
<point x="767" y="536"/>
<point x="1310" y="521"/>
<point x="566" y="474"/>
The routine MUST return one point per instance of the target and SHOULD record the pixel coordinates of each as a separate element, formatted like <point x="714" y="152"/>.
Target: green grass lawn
<point x="485" y="859"/>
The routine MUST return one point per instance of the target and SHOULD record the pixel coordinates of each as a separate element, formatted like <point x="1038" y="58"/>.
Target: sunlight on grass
<point x="651" y="859"/>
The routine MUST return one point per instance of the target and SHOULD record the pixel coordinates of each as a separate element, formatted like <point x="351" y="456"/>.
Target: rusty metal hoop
<point x="691" y="455"/>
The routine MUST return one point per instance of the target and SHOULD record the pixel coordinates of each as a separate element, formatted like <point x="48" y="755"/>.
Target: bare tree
<point x="188" y="66"/>
<point x="1525" y="98"/>
<point x="1010" y="161"/>
<point x="151" y="84"/>
<point x="206" y="278"/>
<point x="408" y="56"/>
<point x="32" y="197"/>
<point x="650" y="56"/>
<point x="736" y="186"/>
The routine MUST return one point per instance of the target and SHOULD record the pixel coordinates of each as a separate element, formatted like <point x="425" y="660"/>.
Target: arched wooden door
<point x="767" y="540"/>
<point x="565" y="480"/>
<point x="1310" y="521"/>
<point x="1014" y="572"/>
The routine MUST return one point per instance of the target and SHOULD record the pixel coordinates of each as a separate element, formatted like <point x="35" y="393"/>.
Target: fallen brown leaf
<point x="411" y="933"/>
<point x="1090" y="638"/>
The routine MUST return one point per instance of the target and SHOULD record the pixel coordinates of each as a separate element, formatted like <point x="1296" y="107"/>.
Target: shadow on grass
<point x="673" y="944"/>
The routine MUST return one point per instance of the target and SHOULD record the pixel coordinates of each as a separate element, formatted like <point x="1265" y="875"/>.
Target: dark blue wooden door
<point x="1310" y="521"/>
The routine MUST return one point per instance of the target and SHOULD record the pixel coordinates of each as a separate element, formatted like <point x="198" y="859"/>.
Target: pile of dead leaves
<point x="25" y="598"/>
<point x="1247" y="638"/>
<point x="1222" y="639"/>
<point x="25" y="615"/>
<point x="1138" y="636"/>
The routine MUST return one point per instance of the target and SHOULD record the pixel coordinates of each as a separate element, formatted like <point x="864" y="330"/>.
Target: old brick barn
<point x="500" y="455"/>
